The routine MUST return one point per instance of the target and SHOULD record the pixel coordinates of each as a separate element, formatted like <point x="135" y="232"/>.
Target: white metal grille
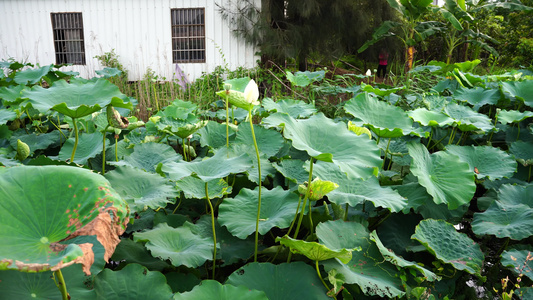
<point x="68" y="38"/>
<point x="188" y="35"/>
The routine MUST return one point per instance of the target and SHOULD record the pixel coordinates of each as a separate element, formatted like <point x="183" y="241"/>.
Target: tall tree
<point x="296" y="29"/>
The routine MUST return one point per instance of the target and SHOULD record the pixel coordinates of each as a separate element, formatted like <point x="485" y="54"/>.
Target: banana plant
<point x="413" y="29"/>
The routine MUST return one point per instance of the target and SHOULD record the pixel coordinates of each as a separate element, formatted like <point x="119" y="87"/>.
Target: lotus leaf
<point x="12" y="95"/>
<point x="516" y="194"/>
<point x="294" y="108"/>
<point x="32" y="76"/>
<point x="367" y="268"/>
<point x="326" y="140"/>
<point x="304" y="79"/>
<point x="182" y="282"/>
<point x="356" y="191"/>
<point x="180" y="245"/>
<point x="273" y="280"/>
<point x="141" y="189"/>
<point x="478" y="96"/>
<point x="36" y="141"/>
<point x="211" y="289"/>
<point x="213" y="135"/>
<point x="521" y="90"/>
<point x="317" y="189"/>
<point x="239" y="214"/>
<point x="269" y="141"/>
<point x="108" y="72"/>
<point x="390" y="256"/>
<point x="501" y="164"/>
<point x="513" y="116"/>
<point x="519" y="259"/>
<point x="89" y="145"/>
<point x="444" y="175"/>
<point x="383" y="119"/>
<point x="76" y="99"/>
<point x="44" y="205"/>
<point x="147" y="156"/>
<point x="194" y="187"/>
<point x="430" y="117"/>
<point x="523" y="152"/>
<point x="215" y="167"/>
<point x="130" y="252"/>
<point x="134" y="282"/>
<point x="442" y="240"/>
<point x="293" y="170"/>
<point x="379" y="91"/>
<point x="467" y="119"/>
<point x="266" y="166"/>
<point x="315" y="251"/>
<point x="514" y="221"/>
<point x="6" y="116"/>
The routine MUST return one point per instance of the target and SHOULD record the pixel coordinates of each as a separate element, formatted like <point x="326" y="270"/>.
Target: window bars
<point x="188" y="35"/>
<point x="68" y="38"/>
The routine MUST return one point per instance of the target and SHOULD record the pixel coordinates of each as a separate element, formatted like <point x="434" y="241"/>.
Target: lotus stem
<point x="227" y="121"/>
<point x="184" y="154"/>
<point x="310" y="216"/>
<point x="75" y="140"/>
<point x="214" y="231"/>
<point x="386" y="153"/>
<point x="61" y="285"/>
<point x="304" y="205"/>
<point x="103" y="151"/>
<point x="259" y="172"/>
<point x="346" y="213"/>
<point x="116" y="147"/>
<point x="295" y="215"/>
<point x="321" y="279"/>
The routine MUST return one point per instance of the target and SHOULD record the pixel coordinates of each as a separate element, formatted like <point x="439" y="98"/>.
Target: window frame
<point x="188" y="35"/>
<point x="69" y="40"/>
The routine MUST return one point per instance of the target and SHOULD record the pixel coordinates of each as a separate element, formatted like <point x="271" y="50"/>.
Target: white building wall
<point x="138" y="30"/>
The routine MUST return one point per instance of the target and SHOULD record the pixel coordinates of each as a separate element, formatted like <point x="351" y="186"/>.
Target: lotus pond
<point x="407" y="195"/>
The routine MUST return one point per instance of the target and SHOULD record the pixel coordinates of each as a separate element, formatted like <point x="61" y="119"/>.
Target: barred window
<point x="188" y="35"/>
<point x="68" y="38"/>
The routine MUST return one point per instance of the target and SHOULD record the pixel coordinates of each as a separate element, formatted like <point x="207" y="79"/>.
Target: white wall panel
<point x="138" y="30"/>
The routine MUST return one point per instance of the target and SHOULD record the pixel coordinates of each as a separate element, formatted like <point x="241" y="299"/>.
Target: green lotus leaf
<point x="296" y="280"/>
<point x="147" y="156"/>
<point x="134" y="282"/>
<point x="379" y="91"/>
<point x="339" y="234"/>
<point x="141" y="189"/>
<point x="356" y="191"/>
<point x="367" y="268"/>
<point x="36" y="141"/>
<point x="519" y="260"/>
<point x="12" y="95"/>
<point x="179" y="127"/>
<point x="359" y="130"/>
<point x="514" y="221"/>
<point x="89" y="145"/>
<point x="130" y="252"/>
<point x="294" y="108"/>
<point x="239" y="214"/>
<point x="513" y="116"/>
<point x="214" y="135"/>
<point x="292" y="169"/>
<point x="383" y="119"/>
<point x="211" y="289"/>
<point x="523" y="152"/>
<point x="108" y="72"/>
<point x="32" y="76"/>
<point x="444" y="175"/>
<point x="318" y="188"/>
<point x="232" y="249"/>
<point x="478" y="96"/>
<point x="521" y="90"/>
<point x="390" y="256"/>
<point x="304" y="79"/>
<point x="516" y="194"/>
<point x="467" y="119"/>
<point x="269" y="141"/>
<point x="266" y="166"/>
<point x="43" y="205"/>
<point x="326" y="140"/>
<point x="314" y="250"/>
<point x="395" y="233"/>
<point x="6" y="116"/>
<point x="215" y="167"/>
<point x="180" y="245"/>
<point x="442" y="240"/>
<point x="238" y="84"/>
<point x="430" y="117"/>
<point x="501" y="164"/>
<point x="27" y="286"/>
<point x="194" y="187"/>
<point x="77" y="99"/>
